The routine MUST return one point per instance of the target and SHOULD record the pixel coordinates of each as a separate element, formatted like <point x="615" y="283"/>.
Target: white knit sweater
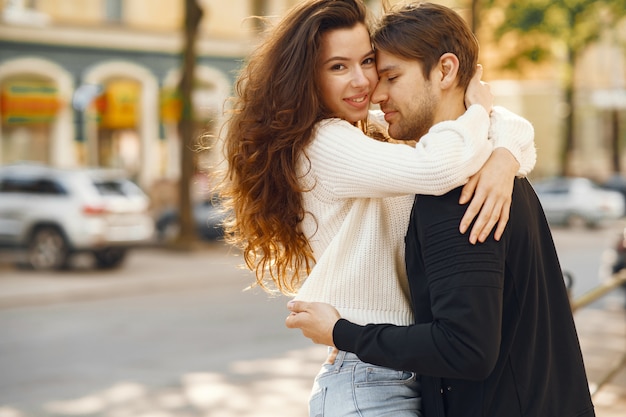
<point x="359" y="198"/>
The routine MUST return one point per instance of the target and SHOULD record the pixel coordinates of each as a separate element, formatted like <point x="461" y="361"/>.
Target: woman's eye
<point x="337" y="67"/>
<point x="369" y="61"/>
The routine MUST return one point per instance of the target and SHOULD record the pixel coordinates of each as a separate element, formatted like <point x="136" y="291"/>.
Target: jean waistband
<point x="342" y="357"/>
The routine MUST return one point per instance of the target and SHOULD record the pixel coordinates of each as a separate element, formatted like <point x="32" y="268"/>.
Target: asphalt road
<point x="586" y="254"/>
<point x="174" y="334"/>
<point x="170" y="334"/>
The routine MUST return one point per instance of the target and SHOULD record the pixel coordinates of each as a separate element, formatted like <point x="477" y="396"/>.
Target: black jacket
<point x="494" y="333"/>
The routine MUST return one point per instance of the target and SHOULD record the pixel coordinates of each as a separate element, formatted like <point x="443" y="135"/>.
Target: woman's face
<point x="347" y="72"/>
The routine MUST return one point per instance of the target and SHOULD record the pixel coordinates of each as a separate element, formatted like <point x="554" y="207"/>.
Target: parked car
<point x="615" y="258"/>
<point x="617" y="183"/>
<point x="207" y="216"/>
<point x="51" y="213"/>
<point x="576" y="201"/>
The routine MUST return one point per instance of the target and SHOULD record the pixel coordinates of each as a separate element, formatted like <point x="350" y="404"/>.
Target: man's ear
<point x="448" y="67"/>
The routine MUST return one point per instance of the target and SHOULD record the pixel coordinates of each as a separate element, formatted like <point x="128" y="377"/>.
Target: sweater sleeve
<point x="513" y="132"/>
<point x="349" y="164"/>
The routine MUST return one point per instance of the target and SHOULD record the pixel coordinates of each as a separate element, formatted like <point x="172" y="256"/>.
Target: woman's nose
<point x="358" y="78"/>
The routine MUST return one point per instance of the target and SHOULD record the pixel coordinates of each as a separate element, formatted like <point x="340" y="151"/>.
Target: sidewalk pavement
<point x="602" y="331"/>
<point x="602" y="334"/>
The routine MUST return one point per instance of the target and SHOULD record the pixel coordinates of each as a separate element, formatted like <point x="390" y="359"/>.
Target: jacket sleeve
<point x="458" y="333"/>
<point x="513" y="132"/>
<point x="348" y="164"/>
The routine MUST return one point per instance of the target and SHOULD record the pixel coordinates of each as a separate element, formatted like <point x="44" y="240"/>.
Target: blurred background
<point x="117" y="296"/>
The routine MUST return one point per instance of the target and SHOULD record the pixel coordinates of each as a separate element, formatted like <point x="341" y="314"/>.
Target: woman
<point x="313" y="196"/>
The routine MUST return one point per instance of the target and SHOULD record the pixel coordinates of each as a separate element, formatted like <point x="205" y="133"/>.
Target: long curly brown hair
<point x="276" y="105"/>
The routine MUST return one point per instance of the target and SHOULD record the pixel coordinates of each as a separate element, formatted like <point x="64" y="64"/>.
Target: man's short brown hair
<point x="426" y="31"/>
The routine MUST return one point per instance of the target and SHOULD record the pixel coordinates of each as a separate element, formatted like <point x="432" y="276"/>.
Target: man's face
<point x="408" y="100"/>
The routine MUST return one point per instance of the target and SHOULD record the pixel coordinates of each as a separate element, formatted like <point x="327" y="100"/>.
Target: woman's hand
<point x="492" y="189"/>
<point x="479" y="92"/>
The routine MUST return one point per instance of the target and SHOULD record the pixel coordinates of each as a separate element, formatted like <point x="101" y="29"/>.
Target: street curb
<point x="97" y="292"/>
<point x="32" y="288"/>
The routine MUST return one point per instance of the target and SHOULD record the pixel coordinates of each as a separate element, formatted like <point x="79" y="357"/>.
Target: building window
<point x="114" y="11"/>
<point x="259" y="8"/>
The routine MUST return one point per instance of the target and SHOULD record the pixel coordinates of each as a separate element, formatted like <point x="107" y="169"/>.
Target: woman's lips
<point x="358" y="102"/>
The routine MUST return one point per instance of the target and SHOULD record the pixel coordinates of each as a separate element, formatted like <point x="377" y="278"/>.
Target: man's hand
<point x="316" y="320"/>
<point x="492" y="188"/>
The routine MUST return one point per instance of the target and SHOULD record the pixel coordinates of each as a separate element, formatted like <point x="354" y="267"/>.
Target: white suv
<point x="51" y="213"/>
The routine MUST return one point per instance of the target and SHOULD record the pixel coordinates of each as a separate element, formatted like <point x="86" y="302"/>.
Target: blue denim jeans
<point x="350" y="387"/>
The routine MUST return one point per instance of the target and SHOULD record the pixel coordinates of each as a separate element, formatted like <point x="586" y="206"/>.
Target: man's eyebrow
<point x="387" y="69"/>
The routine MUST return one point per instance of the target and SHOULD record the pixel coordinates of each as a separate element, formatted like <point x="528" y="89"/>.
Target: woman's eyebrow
<point x="335" y="58"/>
<point x="343" y="58"/>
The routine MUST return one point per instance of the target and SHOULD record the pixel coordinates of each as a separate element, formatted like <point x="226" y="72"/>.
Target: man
<point x="494" y="333"/>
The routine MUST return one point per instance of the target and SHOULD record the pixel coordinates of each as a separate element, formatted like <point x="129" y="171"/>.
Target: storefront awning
<point x="118" y="106"/>
<point x="28" y="102"/>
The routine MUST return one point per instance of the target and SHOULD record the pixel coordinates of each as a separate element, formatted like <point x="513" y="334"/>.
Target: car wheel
<point x="576" y="221"/>
<point x="47" y="249"/>
<point x="170" y="231"/>
<point x="110" y="258"/>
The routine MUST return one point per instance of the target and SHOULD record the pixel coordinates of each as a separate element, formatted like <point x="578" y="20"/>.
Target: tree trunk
<point x="475" y="23"/>
<point x="615" y="148"/>
<point x="568" y="132"/>
<point x="193" y="15"/>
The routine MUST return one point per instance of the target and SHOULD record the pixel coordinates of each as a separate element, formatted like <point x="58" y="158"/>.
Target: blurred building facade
<point x="94" y="82"/>
<point x="537" y="94"/>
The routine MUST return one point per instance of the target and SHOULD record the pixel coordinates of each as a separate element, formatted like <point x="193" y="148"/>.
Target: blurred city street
<point x="175" y="334"/>
<point x="142" y="89"/>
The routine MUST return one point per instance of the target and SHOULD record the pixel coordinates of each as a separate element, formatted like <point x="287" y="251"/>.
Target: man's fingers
<point x="297" y="306"/>
<point x="289" y="322"/>
<point x="293" y="320"/>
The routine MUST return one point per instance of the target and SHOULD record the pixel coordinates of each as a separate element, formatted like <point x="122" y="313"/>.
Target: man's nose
<point x="380" y="94"/>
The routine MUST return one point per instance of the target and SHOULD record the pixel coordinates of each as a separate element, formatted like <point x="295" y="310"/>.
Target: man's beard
<point x="421" y="119"/>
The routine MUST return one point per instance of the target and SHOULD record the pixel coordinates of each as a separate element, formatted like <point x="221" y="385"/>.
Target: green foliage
<point x="539" y="29"/>
<point x="536" y="24"/>
<point x="533" y="54"/>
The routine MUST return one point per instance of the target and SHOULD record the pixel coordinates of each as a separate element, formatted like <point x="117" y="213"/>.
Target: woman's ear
<point x="448" y="66"/>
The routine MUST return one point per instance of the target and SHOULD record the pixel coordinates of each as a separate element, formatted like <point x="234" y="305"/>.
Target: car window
<point x="108" y="188"/>
<point x="31" y="186"/>
<point x="553" y="188"/>
<point x="49" y="187"/>
<point x="559" y="189"/>
<point x="12" y="185"/>
<point x="117" y="187"/>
